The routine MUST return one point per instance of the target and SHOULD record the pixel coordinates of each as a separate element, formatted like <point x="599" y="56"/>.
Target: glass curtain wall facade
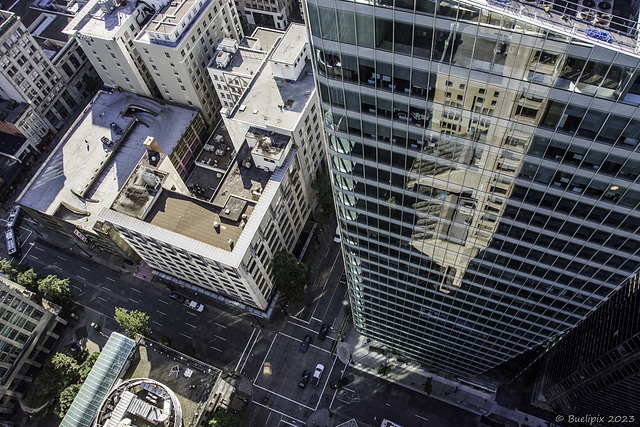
<point x="484" y="162"/>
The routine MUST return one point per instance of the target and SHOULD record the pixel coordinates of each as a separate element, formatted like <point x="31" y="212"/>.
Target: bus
<point x="13" y="246"/>
<point x="14" y="218"/>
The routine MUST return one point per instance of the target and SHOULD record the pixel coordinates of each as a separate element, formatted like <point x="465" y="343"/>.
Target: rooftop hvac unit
<point x="151" y="179"/>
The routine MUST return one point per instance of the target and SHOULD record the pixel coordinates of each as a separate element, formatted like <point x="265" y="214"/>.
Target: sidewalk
<point x="412" y="376"/>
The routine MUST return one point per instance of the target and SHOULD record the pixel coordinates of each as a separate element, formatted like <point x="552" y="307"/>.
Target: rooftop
<point x="168" y="18"/>
<point x="267" y="37"/>
<point x="90" y="165"/>
<point x="98" y="19"/>
<point x="275" y="102"/>
<point x="291" y="44"/>
<point x="244" y="62"/>
<point x="218" y="221"/>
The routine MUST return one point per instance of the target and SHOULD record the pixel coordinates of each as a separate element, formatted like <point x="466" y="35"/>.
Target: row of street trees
<point x="50" y="287"/>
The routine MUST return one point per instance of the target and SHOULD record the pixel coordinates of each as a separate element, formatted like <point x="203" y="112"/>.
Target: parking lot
<point x="284" y="364"/>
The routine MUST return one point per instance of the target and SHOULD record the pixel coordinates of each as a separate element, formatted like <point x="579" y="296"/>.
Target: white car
<point x="336" y="238"/>
<point x="196" y="306"/>
<point x="317" y="374"/>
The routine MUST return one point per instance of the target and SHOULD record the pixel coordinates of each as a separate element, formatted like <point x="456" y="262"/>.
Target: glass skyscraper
<point x="485" y="166"/>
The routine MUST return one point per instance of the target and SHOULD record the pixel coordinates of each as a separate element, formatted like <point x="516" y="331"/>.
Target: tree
<point x="427" y="386"/>
<point x="384" y="369"/>
<point x="9" y="269"/>
<point x="55" y="289"/>
<point x="133" y="322"/>
<point x="224" y="419"/>
<point x="85" y="368"/>
<point x="322" y="185"/>
<point x="66" y="399"/>
<point x="292" y="276"/>
<point x="28" y="279"/>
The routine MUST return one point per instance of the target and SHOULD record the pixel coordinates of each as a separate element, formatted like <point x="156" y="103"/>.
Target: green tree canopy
<point x="10" y="269"/>
<point x="85" y="368"/>
<point x="224" y="419"/>
<point x="133" y="322"/>
<point x="29" y="279"/>
<point x="292" y="276"/>
<point x="322" y="185"/>
<point x="66" y="399"/>
<point x="55" y="289"/>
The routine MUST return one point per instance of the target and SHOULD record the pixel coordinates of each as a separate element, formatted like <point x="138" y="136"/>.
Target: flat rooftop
<point x="167" y="20"/>
<point x="91" y="164"/>
<point x="291" y="44"/>
<point x="244" y="62"/>
<point x="93" y="21"/>
<point x="266" y="96"/>
<point x="232" y="206"/>
<point x="267" y="37"/>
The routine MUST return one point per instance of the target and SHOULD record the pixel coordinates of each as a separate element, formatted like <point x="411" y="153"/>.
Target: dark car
<point x="340" y="383"/>
<point x="323" y="332"/>
<point x="177" y="297"/>
<point x="305" y="379"/>
<point x="304" y="345"/>
<point x="343" y="279"/>
<point x="117" y="129"/>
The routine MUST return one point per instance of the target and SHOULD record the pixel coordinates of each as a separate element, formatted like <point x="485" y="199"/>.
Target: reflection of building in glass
<point x="484" y="166"/>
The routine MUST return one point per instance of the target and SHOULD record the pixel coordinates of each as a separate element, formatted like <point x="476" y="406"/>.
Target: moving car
<point x="195" y="306"/>
<point x="180" y="298"/>
<point x="304" y="345"/>
<point x="317" y="374"/>
<point x="336" y="238"/>
<point x="305" y="378"/>
<point x="117" y="129"/>
<point x="323" y="332"/>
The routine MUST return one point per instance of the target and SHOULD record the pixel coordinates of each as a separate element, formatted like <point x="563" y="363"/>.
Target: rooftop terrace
<point x="93" y="161"/>
<point x="101" y="22"/>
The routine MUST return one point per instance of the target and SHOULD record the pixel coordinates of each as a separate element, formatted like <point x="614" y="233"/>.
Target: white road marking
<point x="283" y="397"/>
<point x="299" y="339"/>
<point x="33" y="256"/>
<point x="189" y="324"/>
<point x="158" y="311"/>
<point x="131" y="299"/>
<point x="105" y="288"/>
<point x="216" y="349"/>
<point x="422" y="418"/>
<point x="135" y="290"/>
<point x="186" y="336"/>
<point x="218" y="336"/>
<point x="88" y="269"/>
<point x="109" y="278"/>
<point x="344" y="401"/>
<point x="102" y="299"/>
<point x="254" y="331"/>
<point x="193" y="314"/>
<point x="80" y="277"/>
<point x="157" y="323"/>
<point x="39" y="249"/>
<point x="74" y="286"/>
<point x="164" y="302"/>
<point x="222" y="326"/>
<point x="59" y="257"/>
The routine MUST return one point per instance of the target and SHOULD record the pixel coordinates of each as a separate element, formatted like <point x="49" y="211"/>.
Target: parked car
<point x="323" y="332"/>
<point x="317" y="374"/>
<point x="336" y="237"/>
<point x="194" y="305"/>
<point x="180" y="298"/>
<point x="305" y="379"/>
<point x="304" y="345"/>
<point x="339" y="383"/>
<point x="343" y="279"/>
<point x="117" y="129"/>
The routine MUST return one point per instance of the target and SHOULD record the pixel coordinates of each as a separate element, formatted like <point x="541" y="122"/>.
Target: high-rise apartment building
<point x="158" y="48"/>
<point x="485" y="165"/>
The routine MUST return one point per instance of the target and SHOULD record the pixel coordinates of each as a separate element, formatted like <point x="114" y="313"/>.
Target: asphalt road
<point x="266" y="352"/>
